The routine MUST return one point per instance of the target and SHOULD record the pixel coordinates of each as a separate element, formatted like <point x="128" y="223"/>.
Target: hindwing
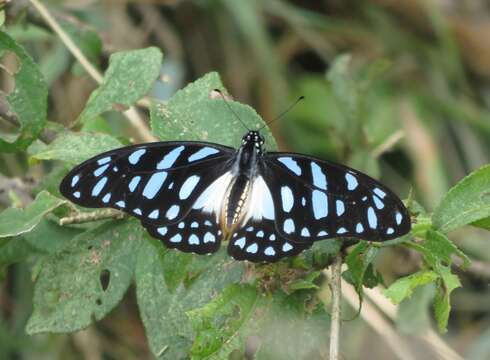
<point x="315" y="199"/>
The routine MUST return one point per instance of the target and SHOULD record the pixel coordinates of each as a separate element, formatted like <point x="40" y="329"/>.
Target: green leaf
<point x="358" y="262"/>
<point x="175" y="265"/>
<point x="28" y="101"/>
<point x="14" y="251"/>
<point x="192" y="115"/>
<point x="403" y="287"/>
<point x="467" y="202"/>
<point x="130" y="76"/>
<point x="19" y="221"/>
<point x="87" y="279"/>
<point x="163" y="311"/>
<point x="483" y="223"/>
<point x="291" y="328"/>
<point x="413" y="315"/>
<point x="74" y="148"/>
<point x="49" y="237"/>
<point x="439" y="246"/>
<point x="308" y="282"/>
<point x="219" y="324"/>
<point x="442" y="306"/>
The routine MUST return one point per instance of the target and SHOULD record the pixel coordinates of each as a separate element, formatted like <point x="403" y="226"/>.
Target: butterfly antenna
<point x="284" y="112"/>
<point x="230" y="108"/>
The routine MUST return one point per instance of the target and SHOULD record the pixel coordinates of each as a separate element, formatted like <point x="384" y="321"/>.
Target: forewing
<point x="197" y="233"/>
<point x="258" y="241"/>
<point x="315" y="199"/>
<point x="156" y="182"/>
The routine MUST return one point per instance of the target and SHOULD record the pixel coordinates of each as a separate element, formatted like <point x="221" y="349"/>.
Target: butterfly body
<point x="268" y="205"/>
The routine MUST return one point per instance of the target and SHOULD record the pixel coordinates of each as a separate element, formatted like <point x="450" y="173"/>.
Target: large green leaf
<point x="87" y="279"/>
<point x="191" y="114"/>
<point x="467" y="202"/>
<point x="15" y="221"/>
<point x="74" y="148"/>
<point x="28" y="101"/>
<point x="163" y="310"/>
<point x="223" y="324"/>
<point x="292" y="328"/>
<point x="49" y="237"/>
<point x="130" y="76"/>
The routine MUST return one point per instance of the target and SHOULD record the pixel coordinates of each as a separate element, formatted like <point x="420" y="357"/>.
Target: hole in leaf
<point x="98" y="301"/>
<point x="105" y="277"/>
<point x="90" y="247"/>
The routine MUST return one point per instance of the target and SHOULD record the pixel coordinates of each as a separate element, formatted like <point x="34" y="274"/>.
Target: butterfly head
<point x="253" y="140"/>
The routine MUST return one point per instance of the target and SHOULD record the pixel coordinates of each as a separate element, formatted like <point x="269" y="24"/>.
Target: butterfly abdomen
<point x="236" y="202"/>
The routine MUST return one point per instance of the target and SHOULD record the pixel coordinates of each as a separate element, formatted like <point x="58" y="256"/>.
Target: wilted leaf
<point x="468" y="201"/>
<point x="15" y="221"/>
<point x="87" y="279"/>
<point x="28" y="101"/>
<point x="130" y="76"/>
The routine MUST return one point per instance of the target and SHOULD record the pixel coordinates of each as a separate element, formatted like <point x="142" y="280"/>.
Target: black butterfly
<point x="268" y="205"/>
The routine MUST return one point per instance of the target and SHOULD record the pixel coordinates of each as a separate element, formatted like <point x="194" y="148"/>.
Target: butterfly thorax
<point x="244" y="171"/>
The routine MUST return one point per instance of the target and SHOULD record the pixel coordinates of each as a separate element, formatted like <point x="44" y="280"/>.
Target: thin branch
<point x="131" y="114"/>
<point x="371" y="315"/>
<point x="336" y="269"/>
<point x="92" y="216"/>
<point x="388" y="143"/>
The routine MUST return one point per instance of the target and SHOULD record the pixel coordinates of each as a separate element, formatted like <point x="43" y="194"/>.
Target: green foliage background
<point x="390" y="90"/>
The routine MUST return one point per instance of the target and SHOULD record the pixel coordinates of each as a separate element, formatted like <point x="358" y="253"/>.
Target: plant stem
<point x="336" y="269"/>
<point x="131" y="114"/>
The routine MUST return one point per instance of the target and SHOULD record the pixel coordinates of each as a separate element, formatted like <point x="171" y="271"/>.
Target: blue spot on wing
<point x="169" y="159"/>
<point x="202" y="153"/>
<point x="154" y="185"/>
<point x="320" y="204"/>
<point x="135" y="157"/>
<point x="290" y="164"/>
<point x="188" y="186"/>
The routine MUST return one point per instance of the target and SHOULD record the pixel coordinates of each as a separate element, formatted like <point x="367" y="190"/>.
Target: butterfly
<point x="267" y="205"/>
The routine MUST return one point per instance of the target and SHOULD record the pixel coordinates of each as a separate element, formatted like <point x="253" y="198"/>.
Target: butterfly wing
<point x="315" y="199"/>
<point x="156" y="182"/>
<point x="258" y="241"/>
<point x="198" y="232"/>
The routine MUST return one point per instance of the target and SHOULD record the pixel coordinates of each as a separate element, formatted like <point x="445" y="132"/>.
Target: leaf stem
<point x="131" y="114"/>
<point x="336" y="269"/>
